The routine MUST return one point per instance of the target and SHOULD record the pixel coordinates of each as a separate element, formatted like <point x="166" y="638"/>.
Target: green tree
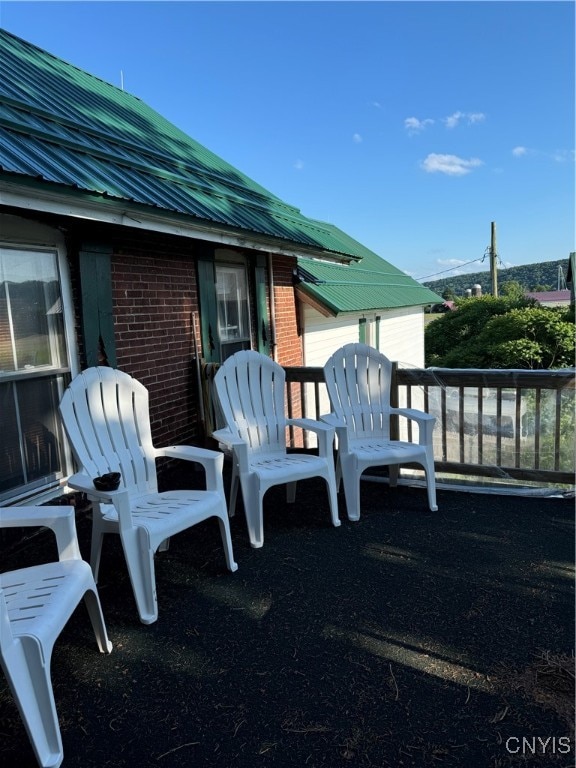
<point x="450" y="340"/>
<point x="504" y="332"/>
<point x="531" y="337"/>
<point x="513" y="289"/>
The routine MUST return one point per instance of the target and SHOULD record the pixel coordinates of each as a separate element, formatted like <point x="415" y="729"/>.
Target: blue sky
<point x="410" y="125"/>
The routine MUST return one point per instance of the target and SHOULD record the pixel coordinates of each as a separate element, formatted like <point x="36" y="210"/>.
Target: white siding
<point x="401" y="340"/>
<point x="324" y="335"/>
<point x="401" y="334"/>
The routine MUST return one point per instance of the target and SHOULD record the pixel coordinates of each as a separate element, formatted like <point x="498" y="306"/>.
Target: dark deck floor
<point x="406" y="639"/>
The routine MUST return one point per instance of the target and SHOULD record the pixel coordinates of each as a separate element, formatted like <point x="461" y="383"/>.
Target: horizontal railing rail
<point x="503" y="424"/>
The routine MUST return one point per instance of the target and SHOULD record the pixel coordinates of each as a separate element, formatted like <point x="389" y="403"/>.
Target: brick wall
<point x="154" y="296"/>
<point x="288" y="340"/>
<point x="289" y="349"/>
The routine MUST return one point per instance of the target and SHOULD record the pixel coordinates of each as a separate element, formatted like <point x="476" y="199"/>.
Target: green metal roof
<point x="63" y="129"/>
<point x="371" y="284"/>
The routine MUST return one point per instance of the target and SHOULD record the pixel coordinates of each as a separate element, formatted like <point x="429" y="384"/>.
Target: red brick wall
<point x="288" y="341"/>
<point x="154" y="296"/>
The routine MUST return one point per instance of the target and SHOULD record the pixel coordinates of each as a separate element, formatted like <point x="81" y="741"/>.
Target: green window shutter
<point x="262" y="319"/>
<point x="377" y="332"/>
<point x="362" y="330"/>
<point x="97" y="314"/>
<point x="208" y="306"/>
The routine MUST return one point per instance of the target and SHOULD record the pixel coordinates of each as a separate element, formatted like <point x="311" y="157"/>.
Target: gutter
<point x="95" y="207"/>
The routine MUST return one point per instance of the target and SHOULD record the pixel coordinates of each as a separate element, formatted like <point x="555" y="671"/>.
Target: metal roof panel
<point x="368" y="285"/>
<point x="61" y="125"/>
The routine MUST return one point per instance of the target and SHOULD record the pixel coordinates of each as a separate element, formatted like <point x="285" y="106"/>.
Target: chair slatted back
<point x="106" y="417"/>
<point x="251" y="391"/>
<point x="358" y="379"/>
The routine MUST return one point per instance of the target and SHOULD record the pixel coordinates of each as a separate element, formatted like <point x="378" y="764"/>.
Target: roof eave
<point x="314" y="297"/>
<point x="35" y="196"/>
<point x="316" y="303"/>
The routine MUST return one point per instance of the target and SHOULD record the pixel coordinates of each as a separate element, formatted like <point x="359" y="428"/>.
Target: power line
<point x="452" y="268"/>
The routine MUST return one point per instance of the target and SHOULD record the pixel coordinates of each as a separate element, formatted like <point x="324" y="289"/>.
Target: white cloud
<point x="470" y="117"/>
<point x="377" y="104"/>
<point x="451" y="165"/>
<point x="444" y="267"/>
<point x="451" y="263"/>
<point x="455" y="267"/>
<point x="414" y="125"/>
<point x="453" y="120"/>
<point x="563" y="156"/>
<point x="299" y="165"/>
<point x="357" y="139"/>
<point x="559" y="156"/>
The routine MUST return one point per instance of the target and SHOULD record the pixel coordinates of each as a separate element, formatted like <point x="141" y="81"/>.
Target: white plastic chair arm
<point x="341" y="430"/>
<point x="226" y="437"/>
<point x="332" y="420"/>
<point x="325" y="433"/>
<point x="235" y="444"/>
<point x="424" y="420"/>
<point x="120" y="498"/>
<point x="211" y="461"/>
<point x="311" y="424"/>
<point x="82" y="482"/>
<point x="60" y="520"/>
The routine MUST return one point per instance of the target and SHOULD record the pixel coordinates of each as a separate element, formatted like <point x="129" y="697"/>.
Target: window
<point x="233" y="314"/>
<point x="34" y="369"/>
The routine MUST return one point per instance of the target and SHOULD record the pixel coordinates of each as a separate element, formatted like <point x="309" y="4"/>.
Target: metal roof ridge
<point x="414" y="284"/>
<point x="42" y="51"/>
<point x="366" y="271"/>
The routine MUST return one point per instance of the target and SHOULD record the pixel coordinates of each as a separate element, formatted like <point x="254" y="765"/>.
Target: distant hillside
<point x="530" y="276"/>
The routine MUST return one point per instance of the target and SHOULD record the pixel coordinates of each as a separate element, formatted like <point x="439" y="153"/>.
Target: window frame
<point x="19" y="235"/>
<point x="223" y="262"/>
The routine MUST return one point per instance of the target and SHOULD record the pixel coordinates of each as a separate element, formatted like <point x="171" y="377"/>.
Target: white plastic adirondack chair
<point x="106" y="417"/>
<point x="358" y="379"/>
<point x="251" y="392"/>
<point x="35" y="605"/>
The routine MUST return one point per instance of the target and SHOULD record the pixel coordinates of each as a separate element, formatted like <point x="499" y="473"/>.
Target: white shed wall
<point x="401" y="334"/>
<point x="401" y="340"/>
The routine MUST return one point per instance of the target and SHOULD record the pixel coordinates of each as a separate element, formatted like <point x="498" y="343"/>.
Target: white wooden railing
<point x="502" y="424"/>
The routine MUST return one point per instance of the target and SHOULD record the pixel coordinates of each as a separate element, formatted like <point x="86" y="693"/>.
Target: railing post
<point x="394" y="401"/>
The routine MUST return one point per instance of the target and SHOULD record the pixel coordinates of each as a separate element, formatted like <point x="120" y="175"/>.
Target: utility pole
<point x="493" y="261"/>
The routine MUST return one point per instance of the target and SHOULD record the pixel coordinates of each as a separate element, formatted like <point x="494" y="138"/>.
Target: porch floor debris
<point x="408" y="638"/>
